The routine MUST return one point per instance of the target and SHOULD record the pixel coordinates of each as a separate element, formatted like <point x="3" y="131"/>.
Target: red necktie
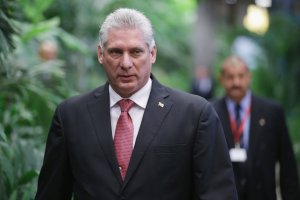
<point x="123" y="140"/>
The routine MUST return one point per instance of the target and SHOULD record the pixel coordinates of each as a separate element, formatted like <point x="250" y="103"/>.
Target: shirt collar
<point x="140" y="98"/>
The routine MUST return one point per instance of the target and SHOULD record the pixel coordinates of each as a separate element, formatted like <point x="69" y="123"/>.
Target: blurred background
<point x="48" y="53"/>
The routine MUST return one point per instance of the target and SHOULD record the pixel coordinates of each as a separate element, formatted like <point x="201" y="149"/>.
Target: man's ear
<point x="153" y="54"/>
<point x="100" y="54"/>
<point x="219" y="77"/>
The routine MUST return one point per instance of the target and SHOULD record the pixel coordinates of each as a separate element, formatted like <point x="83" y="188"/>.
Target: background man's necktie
<point x="238" y="123"/>
<point x="123" y="140"/>
<point x="237" y="115"/>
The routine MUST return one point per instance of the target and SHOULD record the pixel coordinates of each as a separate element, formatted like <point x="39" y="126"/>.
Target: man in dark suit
<point x="203" y="84"/>
<point x="257" y="137"/>
<point x="177" y="149"/>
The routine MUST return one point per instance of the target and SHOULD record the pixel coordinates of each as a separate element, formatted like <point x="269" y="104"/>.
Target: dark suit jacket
<point x="180" y="152"/>
<point x="269" y="143"/>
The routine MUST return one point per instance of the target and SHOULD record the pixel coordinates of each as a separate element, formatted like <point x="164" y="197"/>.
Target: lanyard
<point x="237" y="131"/>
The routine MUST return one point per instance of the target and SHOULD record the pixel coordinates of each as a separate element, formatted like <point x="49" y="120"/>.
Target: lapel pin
<point x="160" y="104"/>
<point x="262" y="122"/>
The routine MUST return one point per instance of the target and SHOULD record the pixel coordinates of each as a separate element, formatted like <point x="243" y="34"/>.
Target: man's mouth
<point x="126" y="77"/>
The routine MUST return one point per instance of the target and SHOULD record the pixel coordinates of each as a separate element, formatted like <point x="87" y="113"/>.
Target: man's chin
<point x="127" y="89"/>
<point x="127" y="85"/>
<point x="236" y="98"/>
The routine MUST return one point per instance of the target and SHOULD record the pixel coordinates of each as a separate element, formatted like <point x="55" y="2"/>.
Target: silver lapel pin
<point x="160" y="104"/>
<point x="262" y="122"/>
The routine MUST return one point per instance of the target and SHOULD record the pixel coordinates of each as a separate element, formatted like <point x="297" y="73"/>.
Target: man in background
<point x="202" y="83"/>
<point x="257" y="136"/>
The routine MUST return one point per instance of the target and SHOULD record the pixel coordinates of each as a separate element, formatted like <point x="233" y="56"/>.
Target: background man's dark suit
<point x="269" y="142"/>
<point x="180" y="151"/>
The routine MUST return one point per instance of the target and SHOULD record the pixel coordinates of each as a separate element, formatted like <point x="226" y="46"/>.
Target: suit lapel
<point x="156" y="111"/>
<point x="255" y="127"/>
<point x="99" y="110"/>
<point x="224" y="114"/>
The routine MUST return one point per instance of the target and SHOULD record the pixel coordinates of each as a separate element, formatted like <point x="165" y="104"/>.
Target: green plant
<point x="31" y="85"/>
<point x="24" y="93"/>
<point x="7" y="27"/>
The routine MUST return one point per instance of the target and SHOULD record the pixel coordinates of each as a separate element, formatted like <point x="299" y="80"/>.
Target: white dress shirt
<point x="245" y="103"/>
<point x="140" y="99"/>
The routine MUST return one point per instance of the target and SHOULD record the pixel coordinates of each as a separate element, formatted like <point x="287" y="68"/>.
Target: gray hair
<point x="127" y="18"/>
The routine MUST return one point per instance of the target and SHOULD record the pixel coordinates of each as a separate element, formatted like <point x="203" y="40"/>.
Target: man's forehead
<point x="234" y="70"/>
<point x="237" y="66"/>
<point x="115" y="40"/>
<point x="116" y="45"/>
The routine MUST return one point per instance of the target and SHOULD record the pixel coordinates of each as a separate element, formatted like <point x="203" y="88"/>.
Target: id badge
<point x="238" y="155"/>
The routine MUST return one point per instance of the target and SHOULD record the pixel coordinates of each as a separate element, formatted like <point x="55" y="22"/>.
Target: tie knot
<point x="237" y="107"/>
<point x="125" y="104"/>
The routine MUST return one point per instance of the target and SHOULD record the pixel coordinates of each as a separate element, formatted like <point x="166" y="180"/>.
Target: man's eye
<point x="136" y="52"/>
<point x="229" y="77"/>
<point x="115" y="52"/>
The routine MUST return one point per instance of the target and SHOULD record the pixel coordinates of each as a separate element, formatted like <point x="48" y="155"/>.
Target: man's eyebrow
<point x="113" y="49"/>
<point x="108" y="48"/>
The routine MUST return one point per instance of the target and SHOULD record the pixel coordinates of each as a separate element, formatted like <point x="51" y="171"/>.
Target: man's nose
<point x="236" y="81"/>
<point x="126" y="61"/>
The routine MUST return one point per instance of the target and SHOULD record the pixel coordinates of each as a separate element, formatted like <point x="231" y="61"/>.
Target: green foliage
<point x="31" y="86"/>
<point x="24" y="94"/>
<point x="19" y="156"/>
<point x="34" y="9"/>
<point x="7" y="27"/>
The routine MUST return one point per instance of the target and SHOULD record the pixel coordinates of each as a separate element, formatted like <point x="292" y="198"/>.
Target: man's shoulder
<point x="265" y="102"/>
<point x="175" y="94"/>
<point x="218" y="102"/>
<point x="257" y="100"/>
